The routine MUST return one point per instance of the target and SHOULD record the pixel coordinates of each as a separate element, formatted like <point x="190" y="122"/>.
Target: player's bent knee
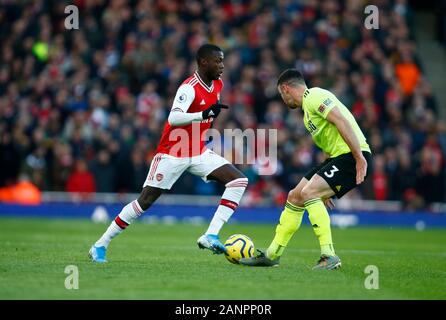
<point x="294" y="198"/>
<point x="307" y="193"/>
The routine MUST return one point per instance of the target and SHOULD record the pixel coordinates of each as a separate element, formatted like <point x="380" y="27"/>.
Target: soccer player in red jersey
<point x="181" y="148"/>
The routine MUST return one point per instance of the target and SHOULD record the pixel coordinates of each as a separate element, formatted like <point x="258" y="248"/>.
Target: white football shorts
<point x="165" y="169"/>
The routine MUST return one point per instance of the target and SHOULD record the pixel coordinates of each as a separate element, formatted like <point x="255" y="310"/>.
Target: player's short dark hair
<point x="292" y="77"/>
<point x="206" y="50"/>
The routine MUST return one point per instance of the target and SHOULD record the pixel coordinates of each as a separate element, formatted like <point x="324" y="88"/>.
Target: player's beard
<point x="293" y="104"/>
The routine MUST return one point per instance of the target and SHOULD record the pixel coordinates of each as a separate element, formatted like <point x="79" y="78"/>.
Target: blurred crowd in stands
<point x="83" y="110"/>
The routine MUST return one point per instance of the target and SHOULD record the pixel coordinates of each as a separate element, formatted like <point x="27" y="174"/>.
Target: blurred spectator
<point x="404" y="179"/>
<point x="379" y="178"/>
<point x="80" y="180"/>
<point x="9" y="159"/>
<point x="430" y="182"/>
<point x="23" y="192"/>
<point x="408" y="74"/>
<point x="104" y="172"/>
<point x="440" y="9"/>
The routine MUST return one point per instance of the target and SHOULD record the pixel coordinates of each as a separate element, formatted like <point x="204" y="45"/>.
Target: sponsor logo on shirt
<point x="311" y="127"/>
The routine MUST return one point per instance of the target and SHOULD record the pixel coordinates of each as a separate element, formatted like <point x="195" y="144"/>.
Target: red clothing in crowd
<point x="81" y="182"/>
<point x="380" y="186"/>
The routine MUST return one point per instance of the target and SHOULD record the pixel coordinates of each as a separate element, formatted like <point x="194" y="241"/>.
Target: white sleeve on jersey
<point x="183" y="99"/>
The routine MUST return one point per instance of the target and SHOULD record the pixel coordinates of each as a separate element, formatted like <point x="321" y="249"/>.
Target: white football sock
<point x="229" y="202"/>
<point x="128" y="214"/>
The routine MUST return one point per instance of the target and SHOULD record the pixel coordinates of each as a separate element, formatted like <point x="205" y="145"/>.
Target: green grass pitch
<point x="163" y="262"/>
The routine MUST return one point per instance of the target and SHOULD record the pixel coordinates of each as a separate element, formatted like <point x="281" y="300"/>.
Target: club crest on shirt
<point x="159" y="176"/>
<point x="324" y="104"/>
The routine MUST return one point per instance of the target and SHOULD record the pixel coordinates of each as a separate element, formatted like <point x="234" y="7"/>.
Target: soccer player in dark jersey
<point x="181" y="148"/>
<point x="335" y="131"/>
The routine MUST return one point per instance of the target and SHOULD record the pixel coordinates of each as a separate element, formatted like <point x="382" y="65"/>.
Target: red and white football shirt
<point x="192" y="96"/>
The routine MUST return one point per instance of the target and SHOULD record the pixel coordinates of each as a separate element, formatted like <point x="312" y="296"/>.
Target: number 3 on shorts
<point x="332" y="172"/>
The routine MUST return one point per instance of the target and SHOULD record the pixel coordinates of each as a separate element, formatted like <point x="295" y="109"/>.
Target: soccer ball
<point x="238" y="246"/>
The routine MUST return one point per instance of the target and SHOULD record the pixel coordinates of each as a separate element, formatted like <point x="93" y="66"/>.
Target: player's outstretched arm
<point x="347" y="133"/>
